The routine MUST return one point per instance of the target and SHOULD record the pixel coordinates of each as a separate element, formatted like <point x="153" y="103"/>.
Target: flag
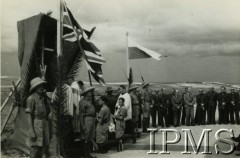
<point x="73" y="32"/>
<point x="136" y="51"/>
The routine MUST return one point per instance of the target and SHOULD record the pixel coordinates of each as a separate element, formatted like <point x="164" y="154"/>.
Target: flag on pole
<point x="136" y="51"/>
<point x="73" y="32"/>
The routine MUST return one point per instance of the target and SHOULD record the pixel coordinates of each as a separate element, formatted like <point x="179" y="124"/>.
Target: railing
<point x="12" y="108"/>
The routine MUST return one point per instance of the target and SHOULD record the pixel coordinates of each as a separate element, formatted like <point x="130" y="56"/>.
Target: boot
<point x="86" y="151"/>
<point x="144" y="125"/>
<point x="120" y="145"/>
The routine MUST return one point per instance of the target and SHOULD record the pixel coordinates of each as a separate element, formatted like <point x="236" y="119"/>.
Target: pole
<point x="127" y="57"/>
<point x="90" y="79"/>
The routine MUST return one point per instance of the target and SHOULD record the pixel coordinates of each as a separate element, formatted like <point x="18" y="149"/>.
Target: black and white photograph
<point x="120" y="78"/>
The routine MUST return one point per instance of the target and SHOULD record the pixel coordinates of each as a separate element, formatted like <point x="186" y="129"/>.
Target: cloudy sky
<point x="200" y="37"/>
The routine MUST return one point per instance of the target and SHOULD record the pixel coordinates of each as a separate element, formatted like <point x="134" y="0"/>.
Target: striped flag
<point x="73" y="32"/>
<point x="136" y="51"/>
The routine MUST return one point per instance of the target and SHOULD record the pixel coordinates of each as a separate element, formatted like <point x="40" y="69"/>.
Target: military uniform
<point x="87" y="113"/>
<point x="170" y="109"/>
<point x="177" y="106"/>
<point x="189" y="109"/>
<point x="211" y="106"/>
<point x="200" y="116"/>
<point x="163" y="110"/>
<point x="39" y="107"/>
<point x="222" y="107"/>
<point x="154" y="108"/>
<point x="120" y="116"/>
<point x="103" y="119"/>
<point x="233" y="107"/>
<point x="139" y="96"/>
<point x="135" y="107"/>
<point x="112" y="100"/>
<point x="146" y="100"/>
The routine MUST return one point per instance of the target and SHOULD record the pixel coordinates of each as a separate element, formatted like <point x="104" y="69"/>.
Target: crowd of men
<point x="97" y="119"/>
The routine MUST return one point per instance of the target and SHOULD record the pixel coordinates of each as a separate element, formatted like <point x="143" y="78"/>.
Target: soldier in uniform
<point x="154" y="103"/>
<point x="170" y="107"/>
<point x="177" y="107"/>
<point x="87" y="113"/>
<point x="135" y="110"/>
<point x="120" y="115"/>
<point x="189" y="102"/>
<point x="112" y="100"/>
<point x="146" y="101"/>
<point x="103" y="122"/>
<point x="139" y="95"/>
<point x="200" y="117"/>
<point x="39" y="115"/>
<point x="183" y="108"/>
<point x="211" y="105"/>
<point x="233" y="106"/>
<point x="163" y="109"/>
<point x="222" y="106"/>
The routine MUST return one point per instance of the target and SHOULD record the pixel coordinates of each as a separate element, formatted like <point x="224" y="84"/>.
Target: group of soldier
<point x="95" y="120"/>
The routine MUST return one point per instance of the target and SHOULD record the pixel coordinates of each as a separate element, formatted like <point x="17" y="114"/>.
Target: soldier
<point x="233" y="106"/>
<point x="170" y="107"/>
<point x="153" y="109"/>
<point x="189" y="102"/>
<point x="128" y="106"/>
<point x="135" y="110"/>
<point x="183" y="108"/>
<point x="211" y="105"/>
<point x="200" y="117"/>
<point x="177" y="107"/>
<point x="87" y="113"/>
<point x="39" y="115"/>
<point x="222" y="106"/>
<point x="112" y="100"/>
<point x="120" y="115"/>
<point x="163" y="109"/>
<point x="103" y="122"/>
<point x="146" y="101"/>
<point x="139" y="95"/>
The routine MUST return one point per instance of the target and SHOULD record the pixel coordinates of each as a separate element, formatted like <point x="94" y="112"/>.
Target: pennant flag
<point x="73" y="32"/>
<point x="136" y="51"/>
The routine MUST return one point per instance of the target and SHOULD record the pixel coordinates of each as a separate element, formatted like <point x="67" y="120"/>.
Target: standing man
<point x="211" y="105"/>
<point x="139" y="95"/>
<point x="87" y="113"/>
<point x="183" y="122"/>
<point x="163" y="109"/>
<point x="112" y="100"/>
<point x="135" y="110"/>
<point x="170" y="108"/>
<point x="39" y="115"/>
<point x="77" y="89"/>
<point x="222" y="106"/>
<point x="177" y="107"/>
<point x="200" y="116"/>
<point x="189" y="102"/>
<point x="153" y="110"/>
<point x="146" y="101"/>
<point x="127" y="106"/>
<point x="103" y="122"/>
<point x="233" y="106"/>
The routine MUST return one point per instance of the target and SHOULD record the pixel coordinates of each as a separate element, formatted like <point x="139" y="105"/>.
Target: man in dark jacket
<point x="200" y="117"/>
<point x="222" y="106"/>
<point x="163" y="109"/>
<point x="211" y="105"/>
<point x="233" y="106"/>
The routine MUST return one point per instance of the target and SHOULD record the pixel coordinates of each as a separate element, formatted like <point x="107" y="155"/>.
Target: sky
<point x="200" y="37"/>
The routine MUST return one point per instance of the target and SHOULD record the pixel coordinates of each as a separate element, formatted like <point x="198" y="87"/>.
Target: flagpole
<point x="127" y="57"/>
<point x="90" y="79"/>
<point x="59" y="54"/>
